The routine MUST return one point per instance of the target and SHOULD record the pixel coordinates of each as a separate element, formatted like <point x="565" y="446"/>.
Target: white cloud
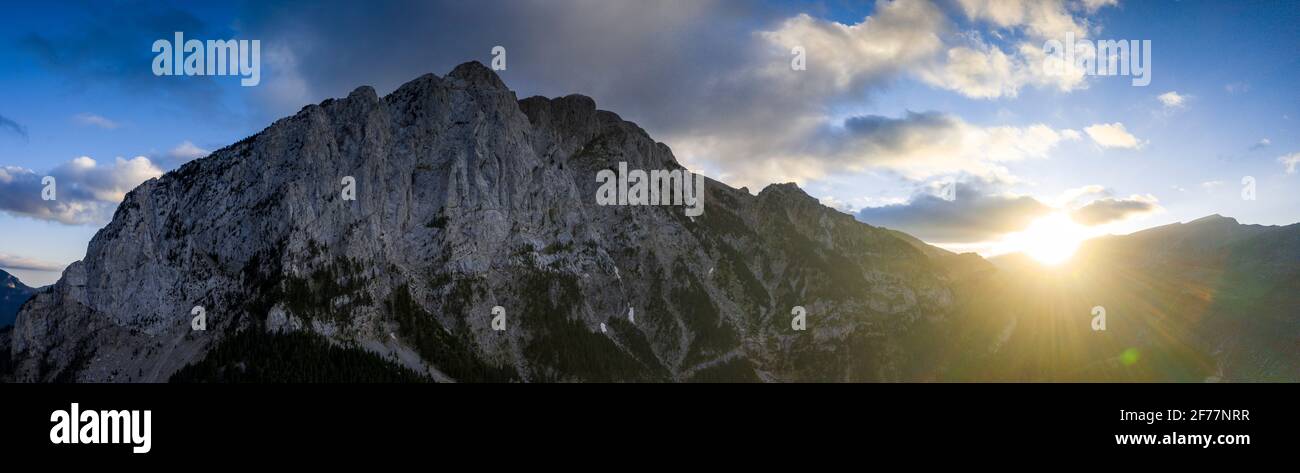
<point x="9" y="261"/>
<point x="91" y="119"/>
<point x="1172" y="99"/>
<point x="1291" y="161"/>
<point x="986" y="72"/>
<point x="922" y="145"/>
<point x="784" y="135"/>
<point x="1076" y="196"/>
<point x="899" y="35"/>
<point x="86" y="192"/>
<point x="1112" y="135"/>
<point x="1091" y="6"/>
<point x="977" y="69"/>
<point x="1041" y="19"/>
<point x="915" y="146"/>
<point x="1211" y="185"/>
<point x="186" y="151"/>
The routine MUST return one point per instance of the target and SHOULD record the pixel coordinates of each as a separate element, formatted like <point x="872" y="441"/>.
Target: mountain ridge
<point x="469" y="198"/>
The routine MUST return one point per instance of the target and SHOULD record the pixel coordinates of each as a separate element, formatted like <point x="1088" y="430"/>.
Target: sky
<point x="940" y="118"/>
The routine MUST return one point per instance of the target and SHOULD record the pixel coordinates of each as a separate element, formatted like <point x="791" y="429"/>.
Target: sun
<point x="1050" y="240"/>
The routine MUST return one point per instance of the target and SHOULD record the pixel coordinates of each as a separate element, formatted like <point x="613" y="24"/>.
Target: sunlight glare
<point x="1050" y="240"/>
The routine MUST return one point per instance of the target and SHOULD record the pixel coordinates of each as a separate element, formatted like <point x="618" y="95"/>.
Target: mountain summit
<point x="468" y="204"/>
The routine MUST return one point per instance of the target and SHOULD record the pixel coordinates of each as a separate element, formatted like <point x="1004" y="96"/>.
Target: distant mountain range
<point x="469" y="200"/>
<point x="13" y="293"/>
<point x="1209" y="299"/>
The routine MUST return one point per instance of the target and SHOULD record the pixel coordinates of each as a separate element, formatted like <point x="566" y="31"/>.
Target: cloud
<point x="926" y="144"/>
<point x="1172" y="99"/>
<point x="185" y="152"/>
<point x="852" y="205"/>
<point x="1041" y="19"/>
<point x="9" y="261"/>
<point x="977" y="213"/>
<point x="1261" y="144"/>
<point x="982" y="71"/>
<point x="1112" y="135"/>
<point x="1091" y="6"/>
<point x="900" y="34"/>
<point x="85" y="192"/>
<point x="1211" y="185"/>
<point x="1079" y="195"/>
<point x="91" y="119"/>
<point x="1291" y="161"/>
<point x="976" y="68"/>
<point x="981" y="211"/>
<point x="726" y="99"/>
<point x="13" y="126"/>
<point x="1107" y="210"/>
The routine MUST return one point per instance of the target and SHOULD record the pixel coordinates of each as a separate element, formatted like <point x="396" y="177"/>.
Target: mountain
<point x="1205" y="300"/>
<point x="1235" y="288"/>
<point x="959" y="267"/>
<point x="468" y="198"/>
<point x="13" y="293"/>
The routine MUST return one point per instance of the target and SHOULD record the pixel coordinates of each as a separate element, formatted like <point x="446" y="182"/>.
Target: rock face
<point x="467" y="198"/>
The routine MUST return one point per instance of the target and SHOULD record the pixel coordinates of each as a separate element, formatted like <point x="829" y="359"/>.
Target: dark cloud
<point x="1108" y="210"/>
<point x="898" y="132"/>
<point x="976" y="214"/>
<point x="711" y="78"/>
<point x="109" y="44"/>
<point x="630" y="56"/>
<point x="13" y="126"/>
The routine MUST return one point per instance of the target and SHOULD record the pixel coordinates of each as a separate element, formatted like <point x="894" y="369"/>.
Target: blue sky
<point x="857" y="128"/>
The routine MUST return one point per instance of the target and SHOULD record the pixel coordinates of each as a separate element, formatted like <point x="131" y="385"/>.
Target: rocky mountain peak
<point x="474" y="74"/>
<point x="785" y="190"/>
<point x="1214" y="219"/>
<point x="464" y="199"/>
